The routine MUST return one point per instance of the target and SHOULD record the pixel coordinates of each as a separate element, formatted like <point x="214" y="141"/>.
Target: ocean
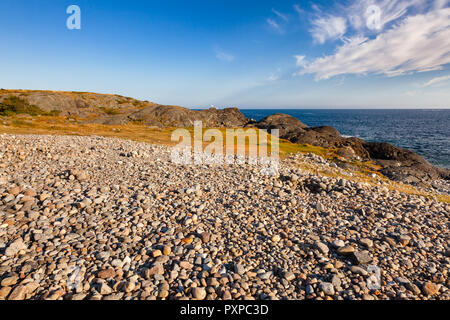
<point x="426" y="132"/>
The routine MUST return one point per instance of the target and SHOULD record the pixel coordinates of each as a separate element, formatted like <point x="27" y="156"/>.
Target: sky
<point x="248" y="54"/>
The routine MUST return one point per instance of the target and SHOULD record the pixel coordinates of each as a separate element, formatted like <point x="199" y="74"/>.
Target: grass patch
<point x="443" y="198"/>
<point x="22" y="123"/>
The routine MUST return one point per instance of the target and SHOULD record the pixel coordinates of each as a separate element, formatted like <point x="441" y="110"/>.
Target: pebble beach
<point x="108" y="219"/>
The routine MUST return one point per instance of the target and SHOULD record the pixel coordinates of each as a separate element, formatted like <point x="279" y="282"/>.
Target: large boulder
<point x="283" y="122"/>
<point x="288" y="126"/>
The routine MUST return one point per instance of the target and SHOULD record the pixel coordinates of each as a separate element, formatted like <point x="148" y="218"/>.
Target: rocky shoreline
<point x="101" y="218"/>
<point x="397" y="164"/>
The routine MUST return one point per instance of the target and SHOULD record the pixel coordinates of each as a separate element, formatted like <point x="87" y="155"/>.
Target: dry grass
<point x="65" y="126"/>
<point x="133" y="131"/>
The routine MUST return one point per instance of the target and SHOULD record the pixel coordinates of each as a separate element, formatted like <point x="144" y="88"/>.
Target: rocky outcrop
<point x="174" y="116"/>
<point x="78" y="104"/>
<point x="398" y="164"/>
<point x="285" y="123"/>
<point x="116" y="109"/>
<point x="327" y="137"/>
<point x="402" y="164"/>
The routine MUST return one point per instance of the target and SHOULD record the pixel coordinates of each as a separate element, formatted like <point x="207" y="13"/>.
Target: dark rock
<point x="288" y="125"/>
<point x="174" y="116"/>
<point x="397" y="163"/>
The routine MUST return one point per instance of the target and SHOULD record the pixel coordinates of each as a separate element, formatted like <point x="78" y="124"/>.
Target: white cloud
<point x="326" y="28"/>
<point x="436" y="80"/>
<point x="439" y="4"/>
<point x="363" y="16"/>
<point x="417" y="44"/>
<point x="390" y="10"/>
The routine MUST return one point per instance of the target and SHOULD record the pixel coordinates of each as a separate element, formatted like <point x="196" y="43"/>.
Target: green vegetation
<point x="137" y="122"/>
<point x="139" y="104"/>
<point x="53" y="113"/>
<point x="123" y="100"/>
<point x="13" y="105"/>
<point x="109" y="111"/>
<point x="22" y="123"/>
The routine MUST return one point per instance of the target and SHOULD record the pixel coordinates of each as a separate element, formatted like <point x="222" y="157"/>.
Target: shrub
<point x="109" y="111"/>
<point x="14" y="105"/>
<point x="54" y="113"/>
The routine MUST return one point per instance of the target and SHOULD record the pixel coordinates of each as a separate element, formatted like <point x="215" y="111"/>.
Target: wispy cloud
<point x="224" y="56"/>
<point x="300" y="61"/>
<point x="274" y="24"/>
<point x="417" y="44"/>
<point x="280" y="15"/>
<point x="316" y="8"/>
<point x="361" y="17"/>
<point x="298" y="9"/>
<point x="278" y="21"/>
<point x="273" y="77"/>
<point x="436" y="80"/>
<point x="328" y="28"/>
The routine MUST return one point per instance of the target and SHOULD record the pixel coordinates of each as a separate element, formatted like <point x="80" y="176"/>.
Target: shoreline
<point x="425" y="134"/>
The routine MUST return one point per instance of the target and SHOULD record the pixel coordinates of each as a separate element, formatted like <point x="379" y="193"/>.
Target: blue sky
<point x="250" y="54"/>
